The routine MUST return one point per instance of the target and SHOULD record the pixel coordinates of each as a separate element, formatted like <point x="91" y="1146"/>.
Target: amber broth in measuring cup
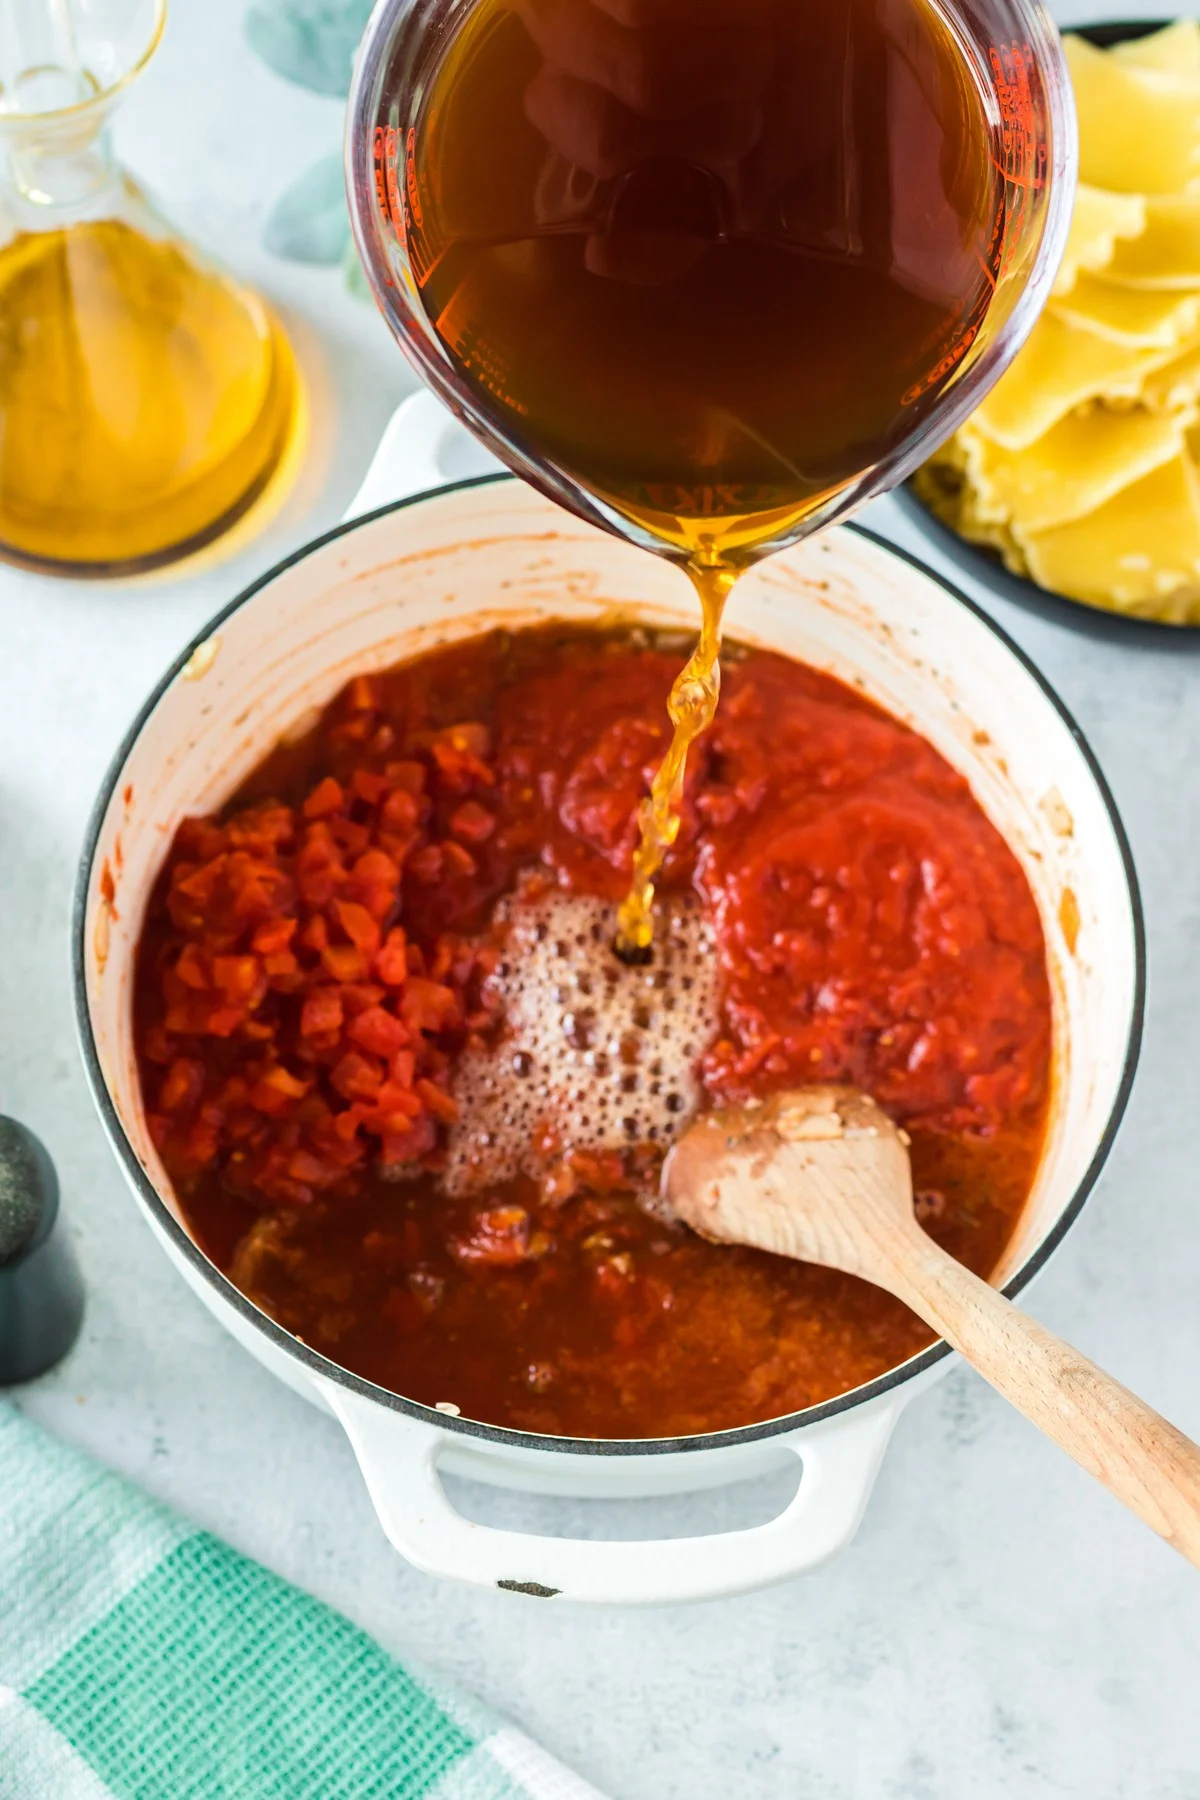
<point x="715" y="261"/>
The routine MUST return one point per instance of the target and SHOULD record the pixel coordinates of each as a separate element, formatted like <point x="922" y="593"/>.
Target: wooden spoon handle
<point x="1150" y="1466"/>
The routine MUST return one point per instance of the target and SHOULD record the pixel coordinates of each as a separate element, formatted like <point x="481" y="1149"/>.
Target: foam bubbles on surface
<point x="603" y="1053"/>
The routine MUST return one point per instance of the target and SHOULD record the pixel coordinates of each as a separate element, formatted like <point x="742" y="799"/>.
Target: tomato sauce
<point x="316" y="959"/>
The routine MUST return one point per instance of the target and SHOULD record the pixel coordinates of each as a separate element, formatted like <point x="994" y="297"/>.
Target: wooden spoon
<point x="822" y="1174"/>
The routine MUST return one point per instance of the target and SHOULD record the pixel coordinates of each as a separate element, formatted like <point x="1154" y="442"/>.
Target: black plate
<point x="984" y="564"/>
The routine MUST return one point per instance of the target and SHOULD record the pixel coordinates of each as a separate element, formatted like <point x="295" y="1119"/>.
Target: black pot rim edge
<point x="471" y="1429"/>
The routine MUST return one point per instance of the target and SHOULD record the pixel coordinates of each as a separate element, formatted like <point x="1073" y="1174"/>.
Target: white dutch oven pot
<point x="428" y="570"/>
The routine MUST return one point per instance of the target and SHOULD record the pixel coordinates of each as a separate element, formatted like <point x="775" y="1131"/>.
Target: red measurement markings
<point x="1023" y="147"/>
<point x="410" y="178"/>
<point x="945" y="366"/>
<point x="994" y="259"/>
<point x="422" y="257"/>
<point x="1020" y="161"/>
<point x="387" y="189"/>
<point x="487" y="367"/>
<point x="717" y="500"/>
<point x="1022" y="165"/>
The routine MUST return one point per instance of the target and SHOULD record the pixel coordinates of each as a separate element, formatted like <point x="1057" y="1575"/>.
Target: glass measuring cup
<point x="146" y="400"/>
<point x="1011" y="53"/>
<point x="710" y="272"/>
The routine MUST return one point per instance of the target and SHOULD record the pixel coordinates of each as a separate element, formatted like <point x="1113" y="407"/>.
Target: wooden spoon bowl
<point x="822" y="1175"/>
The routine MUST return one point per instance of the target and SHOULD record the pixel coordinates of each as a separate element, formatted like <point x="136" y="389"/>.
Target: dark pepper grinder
<point x="41" y="1294"/>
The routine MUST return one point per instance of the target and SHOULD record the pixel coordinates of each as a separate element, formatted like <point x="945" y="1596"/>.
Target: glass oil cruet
<point x="146" y="400"/>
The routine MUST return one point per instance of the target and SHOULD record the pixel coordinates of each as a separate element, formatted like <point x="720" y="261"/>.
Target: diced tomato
<point x="426" y="864"/>
<point x="438" y="1102"/>
<point x="374" y="869"/>
<point x="314" y="934"/>
<point x="370" y="786"/>
<point x="473" y="823"/>
<point x="344" y="1125"/>
<point x="322" y="1014"/>
<point x="410" y="776"/>
<point x="203" y="1142"/>
<point x="358" y="995"/>
<point x="313" y="1171"/>
<point x="319" y="870"/>
<point x="401" y="810"/>
<point x="375" y="881"/>
<point x="273" y="935"/>
<point x="364" y="694"/>
<point x="358" y="925"/>
<point x="472" y="739"/>
<point x="223" y="1021"/>
<point x="344" y="962"/>
<point x="460" y="753"/>
<point x="277" y="1091"/>
<point x="357" y="1077"/>
<point x="398" y="1149"/>
<point x="327" y="797"/>
<point x="237" y="976"/>
<point x="391" y="965"/>
<point x="377" y="1031"/>
<point x="458" y="862"/>
<point x="182" y="1085"/>
<point x="350" y="837"/>
<point x="429" y="1006"/>
<point x="192" y="968"/>
<point x="394" y="1108"/>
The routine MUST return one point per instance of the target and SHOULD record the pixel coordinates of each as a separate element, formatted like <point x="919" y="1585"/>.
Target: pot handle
<point x="423" y="446"/>
<point x="399" y="1457"/>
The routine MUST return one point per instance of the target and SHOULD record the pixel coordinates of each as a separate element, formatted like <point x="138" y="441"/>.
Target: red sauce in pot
<point x="317" y="958"/>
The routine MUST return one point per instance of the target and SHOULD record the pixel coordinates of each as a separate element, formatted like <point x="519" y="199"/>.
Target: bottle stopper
<point x="41" y="1294"/>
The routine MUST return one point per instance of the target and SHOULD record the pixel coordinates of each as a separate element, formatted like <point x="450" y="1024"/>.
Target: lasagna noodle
<point x="1175" y="50"/>
<point x="1166" y="253"/>
<point x="1076" y="468"/>
<point x="1059" y="369"/>
<point x="1140" y="551"/>
<point x="1082" y="467"/>
<point x="1139" y="128"/>
<point x="1141" y="319"/>
<point x="1099" y="220"/>
<point x="1175" y="386"/>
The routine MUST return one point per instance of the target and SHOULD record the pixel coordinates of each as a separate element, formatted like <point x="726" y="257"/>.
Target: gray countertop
<point x="999" y="1626"/>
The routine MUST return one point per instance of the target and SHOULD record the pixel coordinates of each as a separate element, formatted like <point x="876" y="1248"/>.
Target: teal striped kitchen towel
<point x="141" y="1659"/>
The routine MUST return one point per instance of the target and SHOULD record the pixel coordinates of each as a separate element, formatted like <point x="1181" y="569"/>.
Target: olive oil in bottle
<point x="146" y="400"/>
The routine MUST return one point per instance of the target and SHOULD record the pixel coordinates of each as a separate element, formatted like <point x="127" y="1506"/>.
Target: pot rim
<point x="316" y="1364"/>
